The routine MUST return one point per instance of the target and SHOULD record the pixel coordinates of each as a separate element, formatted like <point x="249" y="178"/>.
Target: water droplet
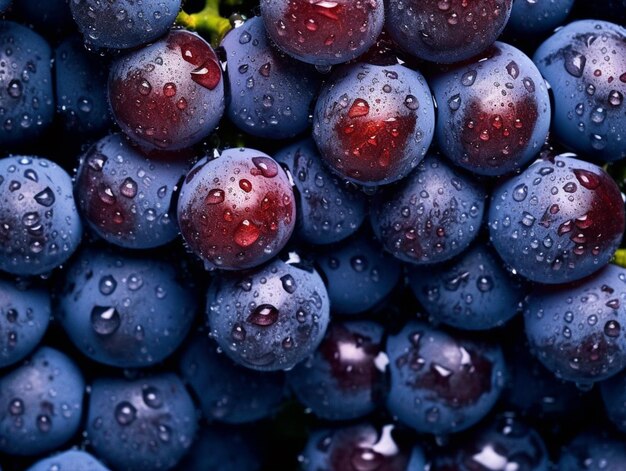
<point x="208" y="75"/>
<point x="359" y="108"/>
<point x="107" y="285"/>
<point x="513" y="69"/>
<point x="15" y="88"/>
<point x="128" y="188"/>
<point x="454" y="102"/>
<point x="574" y="63"/>
<point x="245" y="185"/>
<point x="612" y="328"/>
<point x="44" y="423"/>
<point x="144" y="87"/>
<point x="266" y="166"/>
<point x="245" y="38"/>
<point x="169" y="89"/>
<point x="266" y="69"/>
<point x="246" y="233"/>
<point x="615" y="98"/>
<point x="289" y="283"/>
<point x="125" y="413"/>
<point x="105" y="320"/>
<point x="359" y="264"/>
<point x="215" y="196"/>
<point x="152" y="397"/>
<point x="469" y="78"/>
<point x="134" y="282"/>
<point x="520" y="192"/>
<point x="45" y="197"/>
<point x="264" y="315"/>
<point x="16" y="407"/>
<point x="484" y="283"/>
<point x="164" y="432"/>
<point x="31" y="175"/>
<point x="588" y="179"/>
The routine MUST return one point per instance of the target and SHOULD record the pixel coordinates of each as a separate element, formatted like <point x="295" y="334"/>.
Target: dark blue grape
<point x="576" y="330"/>
<point x="506" y="443"/>
<point x="271" y="94"/>
<point x="237" y="211"/>
<point x="531" y="17"/>
<point x="329" y="209"/>
<point x="71" y="460"/>
<point x="360" y="447"/>
<point x="359" y="273"/>
<point x="219" y="448"/>
<point x="81" y="81"/>
<point x="148" y="423"/>
<point x="373" y="124"/>
<point x="126" y="197"/>
<point x="323" y="32"/>
<point x="41" y="403"/>
<point x="4" y="5"/>
<point x="168" y="95"/>
<point x="344" y="379"/>
<point x="439" y="382"/>
<point x="473" y="292"/>
<point x="228" y="392"/>
<point x="39" y="223"/>
<point x="26" y="96"/>
<point x="125" y="311"/>
<point x="270" y="318"/>
<point x="494" y="111"/>
<point x="445" y="30"/>
<point x="585" y="63"/>
<point x="558" y="221"/>
<point x="590" y="452"/>
<point x="123" y="23"/>
<point x="537" y="393"/>
<point x="430" y="217"/>
<point x="24" y="318"/>
<point x="614" y="397"/>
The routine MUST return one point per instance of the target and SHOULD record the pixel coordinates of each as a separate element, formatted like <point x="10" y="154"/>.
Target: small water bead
<point x="45" y="197"/>
<point x="359" y="108"/>
<point x="16" y="407"/>
<point x="454" y="102"/>
<point x="264" y="315"/>
<point x="44" y="423"/>
<point x="288" y="283"/>
<point x="134" y="282"/>
<point x="411" y="102"/>
<point x="107" y="285"/>
<point x="105" y="320"/>
<point x="164" y="433"/>
<point x="152" y="397"/>
<point x="128" y="188"/>
<point x="125" y="413"/>
<point x="469" y="78"/>
<point x="574" y="63"/>
<point x="359" y="264"/>
<point x="612" y="329"/>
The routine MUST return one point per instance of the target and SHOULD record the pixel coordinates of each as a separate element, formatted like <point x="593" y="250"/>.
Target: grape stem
<point x="620" y="258"/>
<point x="207" y="21"/>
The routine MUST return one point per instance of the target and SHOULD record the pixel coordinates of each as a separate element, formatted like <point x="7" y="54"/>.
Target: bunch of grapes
<point x="326" y="235"/>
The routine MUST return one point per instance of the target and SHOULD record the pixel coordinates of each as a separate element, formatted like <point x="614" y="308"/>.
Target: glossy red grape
<point x="323" y="32"/>
<point x="373" y="124"/>
<point x="494" y="111"/>
<point x="169" y="95"/>
<point x="236" y="211"/>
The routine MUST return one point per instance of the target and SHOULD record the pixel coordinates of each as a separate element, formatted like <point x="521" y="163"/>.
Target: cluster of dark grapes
<point x="327" y="235"/>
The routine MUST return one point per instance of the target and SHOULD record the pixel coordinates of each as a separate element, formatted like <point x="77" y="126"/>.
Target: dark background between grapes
<point x="283" y="437"/>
